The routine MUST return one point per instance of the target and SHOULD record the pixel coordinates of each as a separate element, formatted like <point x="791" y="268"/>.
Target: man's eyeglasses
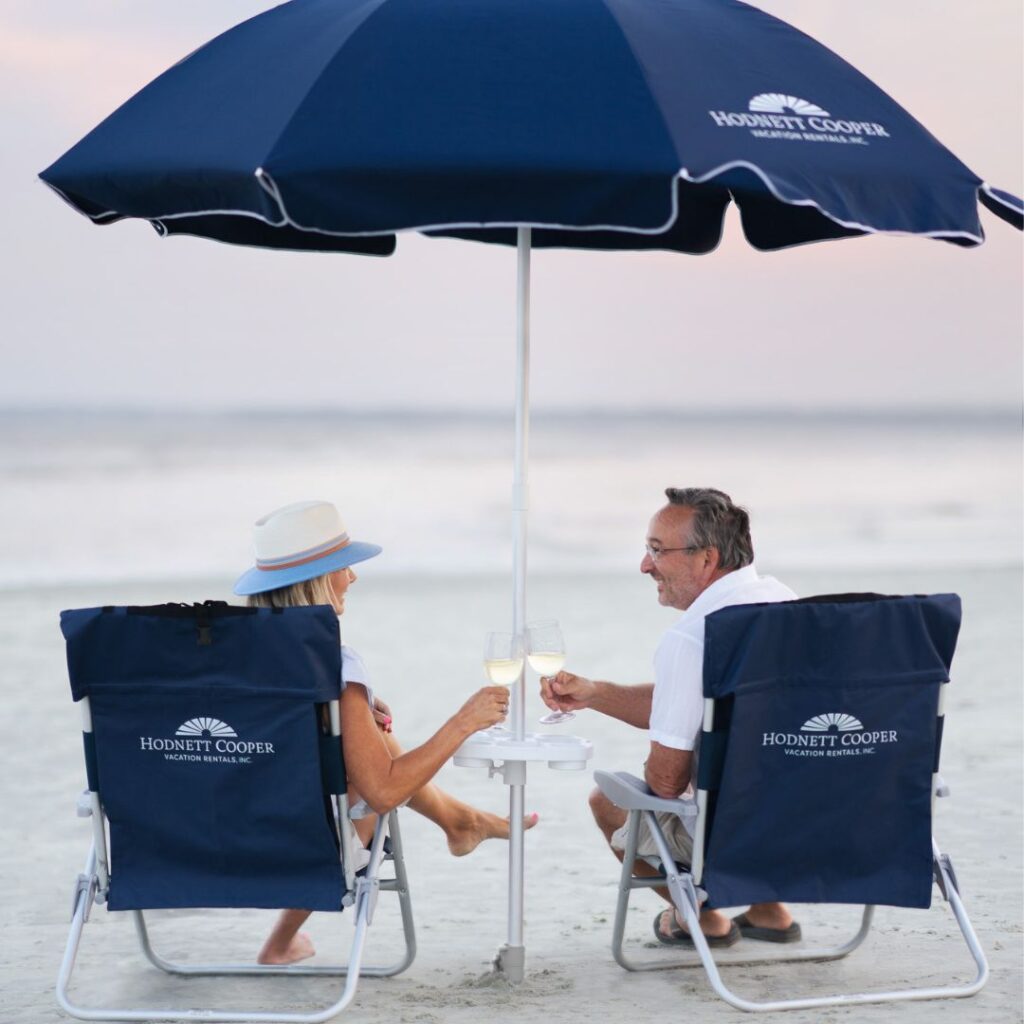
<point x="655" y="553"/>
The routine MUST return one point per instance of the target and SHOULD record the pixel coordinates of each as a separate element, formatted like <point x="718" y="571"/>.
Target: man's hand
<point x="567" y="691"/>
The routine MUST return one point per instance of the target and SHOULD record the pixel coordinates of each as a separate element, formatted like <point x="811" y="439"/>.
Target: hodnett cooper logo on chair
<point x="774" y="115"/>
<point x="831" y="735"/>
<point x="207" y="740"/>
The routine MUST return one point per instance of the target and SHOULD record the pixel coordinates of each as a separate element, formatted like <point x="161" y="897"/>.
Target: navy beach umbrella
<point x="601" y="124"/>
<point x="611" y="124"/>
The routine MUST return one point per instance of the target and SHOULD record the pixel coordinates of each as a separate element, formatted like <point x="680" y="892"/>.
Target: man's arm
<point x="630" y="704"/>
<point x="667" y="770"/>
<point x="569" y="692"/>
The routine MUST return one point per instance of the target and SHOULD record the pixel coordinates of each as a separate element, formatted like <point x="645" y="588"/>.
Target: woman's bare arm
<point x="385" y="782"/>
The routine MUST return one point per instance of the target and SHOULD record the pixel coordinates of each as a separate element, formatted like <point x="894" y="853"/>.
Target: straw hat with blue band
<point x="300" y="542"/>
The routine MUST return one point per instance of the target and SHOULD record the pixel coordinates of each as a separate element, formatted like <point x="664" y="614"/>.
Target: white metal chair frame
<point x="362" y="890"/>
<point x="632" y="794"/>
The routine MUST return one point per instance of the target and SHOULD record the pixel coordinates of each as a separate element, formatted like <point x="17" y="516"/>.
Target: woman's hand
<point x="381" y="715"/>
<point x="566" y="691"/>
<point x="485" y="708"/>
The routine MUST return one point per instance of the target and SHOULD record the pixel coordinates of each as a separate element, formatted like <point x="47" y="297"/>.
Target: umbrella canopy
<point x="607" y="124"/>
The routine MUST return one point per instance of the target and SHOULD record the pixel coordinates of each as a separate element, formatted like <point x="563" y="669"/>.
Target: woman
<point x="304" y="557"/>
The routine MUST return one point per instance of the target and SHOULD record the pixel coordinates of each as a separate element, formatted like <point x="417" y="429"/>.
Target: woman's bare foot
<point x="477" y="827"/>
<point x="299" y="948"/>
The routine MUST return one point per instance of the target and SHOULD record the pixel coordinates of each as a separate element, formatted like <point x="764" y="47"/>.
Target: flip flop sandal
<point x="753" y="931"/>
<point x="679" y="936"/>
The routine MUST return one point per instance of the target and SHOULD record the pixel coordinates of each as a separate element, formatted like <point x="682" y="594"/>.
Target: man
<point x="701" y="558"/>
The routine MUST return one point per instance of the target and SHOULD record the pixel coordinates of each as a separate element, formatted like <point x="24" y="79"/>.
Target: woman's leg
<point x="465" y="827"/>
<point x="286" y="944"/>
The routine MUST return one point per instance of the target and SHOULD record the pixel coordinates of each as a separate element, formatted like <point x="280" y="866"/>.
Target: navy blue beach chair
<point x="213" y="756"/>
<point x="818" y="769"/>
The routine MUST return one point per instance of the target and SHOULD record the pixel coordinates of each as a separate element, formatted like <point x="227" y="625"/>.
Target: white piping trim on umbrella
<point x="853" y="225"/>
<point x="270" y="187"/>
<point x="74" y="206"/>
<point x="156" y="220"/>
<point x="991" y="193"/>
<point x="163" y="232"/>
<point x="214" y="213"/>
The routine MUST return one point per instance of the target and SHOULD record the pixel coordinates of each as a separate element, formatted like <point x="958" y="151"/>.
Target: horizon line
<point x="999" y="412"/>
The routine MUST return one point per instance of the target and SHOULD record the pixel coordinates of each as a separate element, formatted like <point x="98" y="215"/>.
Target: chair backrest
<point x="205" y="751"/>
<point x="826" y="733"/>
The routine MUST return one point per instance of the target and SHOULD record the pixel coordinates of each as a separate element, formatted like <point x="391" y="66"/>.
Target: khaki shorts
<point x="679" y="840"/>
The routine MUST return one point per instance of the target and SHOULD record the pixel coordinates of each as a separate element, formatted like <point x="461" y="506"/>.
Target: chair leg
<point x="622" y="903"/>
<point x="629" y="882"/>
<point x="366" y="897"/>
<point x="79" y="914"/>
<point x="845" y="999"/>
<point x="943" y="869"/>
<point x="685" y="898"/>
<point x="399" y="884"/>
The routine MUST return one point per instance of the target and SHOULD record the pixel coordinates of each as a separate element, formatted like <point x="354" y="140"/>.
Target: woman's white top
<point x="353" y="670"/>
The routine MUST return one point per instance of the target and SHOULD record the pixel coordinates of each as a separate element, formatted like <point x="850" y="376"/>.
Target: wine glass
<point x="546" y="653"/>
<point x="503" y="658"/>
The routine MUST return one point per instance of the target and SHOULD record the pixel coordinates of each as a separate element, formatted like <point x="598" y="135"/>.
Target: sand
<point x="420" y="637"/>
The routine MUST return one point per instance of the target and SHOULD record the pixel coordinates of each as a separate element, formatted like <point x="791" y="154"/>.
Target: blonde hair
<point x="308" y="592"/>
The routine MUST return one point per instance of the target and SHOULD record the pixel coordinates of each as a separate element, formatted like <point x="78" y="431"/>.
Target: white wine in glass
<point x="547" y="663"/>
<point x="503" y="658"/>
<point x="546" y="652"/>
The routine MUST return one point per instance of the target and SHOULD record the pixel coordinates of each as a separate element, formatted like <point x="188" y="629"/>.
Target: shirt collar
<point x="709" y="598"/>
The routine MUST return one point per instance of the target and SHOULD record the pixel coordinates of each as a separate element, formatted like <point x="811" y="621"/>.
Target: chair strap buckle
<point x="945" y="876"/>
<point x="87" y="884"/>
<point x="367" y="889"/>
<point x="83" y="807"/>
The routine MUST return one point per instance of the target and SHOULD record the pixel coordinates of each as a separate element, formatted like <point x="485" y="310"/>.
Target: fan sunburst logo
<point x="822" y="723"/>
<point x="205" y="727"/>
<point x="778" y="115"/>
<point x="208" y="741"/>
<point x="778" y="103"/>
<point x="831" y="734"/>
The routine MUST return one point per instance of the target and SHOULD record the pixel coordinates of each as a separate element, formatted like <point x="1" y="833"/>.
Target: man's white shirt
<point x="677" y="710"/>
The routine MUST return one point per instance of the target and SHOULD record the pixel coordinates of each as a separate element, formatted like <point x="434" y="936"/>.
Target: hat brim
<point x="258" y="581"/>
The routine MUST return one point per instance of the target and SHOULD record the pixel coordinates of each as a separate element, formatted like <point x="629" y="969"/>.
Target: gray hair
<point x="717" y="523"/>
<point x="307" y="592"/>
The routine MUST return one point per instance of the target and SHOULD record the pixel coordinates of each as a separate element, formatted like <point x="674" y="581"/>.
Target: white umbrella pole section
<point x="511" y="959"/>
<point x="520" y="483"/>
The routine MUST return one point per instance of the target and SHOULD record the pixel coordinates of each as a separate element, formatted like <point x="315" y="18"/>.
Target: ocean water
<point x="103" y="497"/>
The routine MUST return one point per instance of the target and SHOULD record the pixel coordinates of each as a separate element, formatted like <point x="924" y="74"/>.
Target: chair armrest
<point x="633" y="794"/>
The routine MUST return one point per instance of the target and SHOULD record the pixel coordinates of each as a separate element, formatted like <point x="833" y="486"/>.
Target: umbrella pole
<point x="511" y="958"/>
<point x="520" y="486"/>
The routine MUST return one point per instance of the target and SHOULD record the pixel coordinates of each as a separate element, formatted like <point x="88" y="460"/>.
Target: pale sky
<point x="112" y="317"/>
